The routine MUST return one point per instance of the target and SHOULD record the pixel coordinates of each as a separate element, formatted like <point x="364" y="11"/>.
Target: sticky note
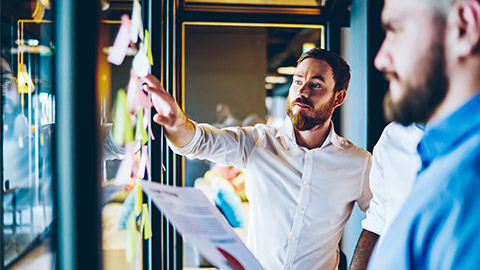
<point x="138" y="200"/>
<point x="148" y="47"/>
<point x="143" y="162"/>
<point x="147" y="225"/>
<point x="124" y="171"/>
<point x="122" y="129"/>
<point x="137" y="25"/>
<point x="140" y="132"/>
<point x="140" y="64"/>
<point x="131" y="238"/>
<point x="132" y="92"/>
<point x="143" y="99"/>
<point x="117" y="53"/>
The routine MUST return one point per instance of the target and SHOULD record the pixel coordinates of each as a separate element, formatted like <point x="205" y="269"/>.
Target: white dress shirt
<point x="394" y="169"/>
<point x="300" y="199"/>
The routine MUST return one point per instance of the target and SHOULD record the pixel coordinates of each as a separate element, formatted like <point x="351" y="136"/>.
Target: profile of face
<point x="311" y="98"/>
<point x="412" y="58"/>
<point x="223" y="112"/>
<point x="9" y="87"/>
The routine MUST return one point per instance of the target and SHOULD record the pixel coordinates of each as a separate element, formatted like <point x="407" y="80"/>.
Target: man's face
<point x="311" y="98"/>
<point x="412" y="58"/>
<point x="9" y="87"/>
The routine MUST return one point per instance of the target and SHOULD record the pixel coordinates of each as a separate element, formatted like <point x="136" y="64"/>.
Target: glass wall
<point x="28" y="118"/>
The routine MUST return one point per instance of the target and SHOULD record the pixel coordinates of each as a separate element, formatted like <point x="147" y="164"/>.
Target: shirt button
<point x="304" y="182"/>
<point x="302" y="209"/>
<point x="294" y="239"/>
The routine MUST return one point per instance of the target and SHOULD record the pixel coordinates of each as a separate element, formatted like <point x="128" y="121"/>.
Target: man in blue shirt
<point x="431" y="57"/>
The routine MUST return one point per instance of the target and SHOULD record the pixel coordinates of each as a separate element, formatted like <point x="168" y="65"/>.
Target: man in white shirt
<point x="302" y="179"/>
<point x="395" y="164"/>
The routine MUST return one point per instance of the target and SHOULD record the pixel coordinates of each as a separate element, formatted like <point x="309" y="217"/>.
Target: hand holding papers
<point x="202" y="224"/>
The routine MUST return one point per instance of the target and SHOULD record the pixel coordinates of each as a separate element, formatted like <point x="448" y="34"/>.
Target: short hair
<point x="340" y="68"/>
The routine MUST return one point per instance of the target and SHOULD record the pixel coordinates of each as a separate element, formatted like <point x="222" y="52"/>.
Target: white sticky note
<point x="140" y="64"/>
<point x="137" y="25"/>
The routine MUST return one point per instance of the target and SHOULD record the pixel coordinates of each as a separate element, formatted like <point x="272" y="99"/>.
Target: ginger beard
<point x="309" y="119"/>
<point x="423" y="95"/>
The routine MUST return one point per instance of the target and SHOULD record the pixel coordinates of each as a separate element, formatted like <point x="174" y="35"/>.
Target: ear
<point x="465" y="22"/>
<point x="340" y="97"/>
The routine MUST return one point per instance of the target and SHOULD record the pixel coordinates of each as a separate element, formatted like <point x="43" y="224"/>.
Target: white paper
<point x="200" y="223"/>
<point x="140" y="63"/>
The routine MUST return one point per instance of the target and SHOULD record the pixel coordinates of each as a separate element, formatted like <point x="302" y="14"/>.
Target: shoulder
<point x="350" y="148"/>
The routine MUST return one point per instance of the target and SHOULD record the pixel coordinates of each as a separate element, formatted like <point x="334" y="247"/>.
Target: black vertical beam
<point x="78" y="160"/>
<point x="377" y="85"/>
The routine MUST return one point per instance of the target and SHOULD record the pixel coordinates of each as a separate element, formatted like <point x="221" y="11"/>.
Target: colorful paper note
<point x="137" y="25"/>
<point x="148" y="47"/>
<point x="131" y="238"/>
<point x="146" y="224"/>
<point x="117" y="53"/>
<point x="140" y="64"/>
<point x="124" y="171"/>
<point x="138" y="200"/>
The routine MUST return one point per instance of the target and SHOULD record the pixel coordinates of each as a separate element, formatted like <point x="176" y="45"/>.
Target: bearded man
<point x="302" y="179"/>
<point x="431" y="56"/>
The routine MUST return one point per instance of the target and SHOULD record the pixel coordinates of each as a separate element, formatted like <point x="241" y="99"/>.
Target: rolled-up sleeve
<point x="227" y="146"/>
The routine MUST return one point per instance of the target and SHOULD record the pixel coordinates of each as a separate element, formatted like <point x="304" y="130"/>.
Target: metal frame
<point x="78" y="241"/>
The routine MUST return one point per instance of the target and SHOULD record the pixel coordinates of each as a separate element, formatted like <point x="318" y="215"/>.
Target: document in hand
<point x="200" y="223"/>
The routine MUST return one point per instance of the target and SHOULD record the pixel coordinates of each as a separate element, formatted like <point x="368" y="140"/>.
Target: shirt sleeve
<point x="227" y="146"/>
<point x="366" y="195"/>
<point x="375" y="215"/>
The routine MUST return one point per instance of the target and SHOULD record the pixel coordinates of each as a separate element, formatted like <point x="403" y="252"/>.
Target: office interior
<point x="61" y="206"/>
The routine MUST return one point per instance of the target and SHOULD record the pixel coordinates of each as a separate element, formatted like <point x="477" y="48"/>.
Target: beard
<point x="308" y="120"/>
<point x="420" y="99"/>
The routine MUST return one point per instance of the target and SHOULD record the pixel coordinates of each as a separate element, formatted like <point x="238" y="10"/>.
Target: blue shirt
<point x="439" y="225"/>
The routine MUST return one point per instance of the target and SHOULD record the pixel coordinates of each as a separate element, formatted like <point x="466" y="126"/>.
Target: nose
<point x="383" y="61"/>
<point x="303" y="90"/>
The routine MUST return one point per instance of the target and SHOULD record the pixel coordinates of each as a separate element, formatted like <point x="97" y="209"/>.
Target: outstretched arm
<point x="178" y="128"/>
<point x="363" y="251"/>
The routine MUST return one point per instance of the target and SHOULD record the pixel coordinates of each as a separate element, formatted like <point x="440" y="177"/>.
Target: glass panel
<point x="237" y="74"/>
<point x="307" y="3"/>
<point x="28" y="116"/>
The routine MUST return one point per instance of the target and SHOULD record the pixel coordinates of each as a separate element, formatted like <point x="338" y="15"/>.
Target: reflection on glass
<point x="308" y="3"/>
<point x="237" y="75"/>
<point x="28" y="117"/>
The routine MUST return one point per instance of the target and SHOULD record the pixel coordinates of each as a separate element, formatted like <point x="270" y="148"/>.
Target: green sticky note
<point x="131" y="248"/>
<point x="140" y="131"/>
<point x="147" y="224"/>
<point x="118" y="129"/>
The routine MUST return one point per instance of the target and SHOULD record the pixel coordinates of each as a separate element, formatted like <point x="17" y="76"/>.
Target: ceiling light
<point x="286" y="70"/>
<point x="276" y="79"/>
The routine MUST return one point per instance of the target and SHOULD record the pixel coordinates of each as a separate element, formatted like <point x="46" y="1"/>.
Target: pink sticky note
<point x="143" y="99"/>
<point x="120" y="46"/>
<point x="132" y="92"/>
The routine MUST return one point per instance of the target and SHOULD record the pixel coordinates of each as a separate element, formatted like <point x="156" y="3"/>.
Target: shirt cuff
<point x="189" y="147"/>
<point x="369" y="224"/>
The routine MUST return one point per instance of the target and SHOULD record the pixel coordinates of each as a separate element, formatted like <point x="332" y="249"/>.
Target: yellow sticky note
<point x="138" y="200"/>
<point x="131" y="248"/>
<point x="146" y="222"/>
<point x="148" y="47"/>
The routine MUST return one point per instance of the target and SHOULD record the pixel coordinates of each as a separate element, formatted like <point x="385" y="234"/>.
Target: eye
<point x="297" y="82"/>
<point x="316" y="85"/>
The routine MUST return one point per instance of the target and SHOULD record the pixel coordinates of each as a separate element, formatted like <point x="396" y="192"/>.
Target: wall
<point x="224" y="64"/>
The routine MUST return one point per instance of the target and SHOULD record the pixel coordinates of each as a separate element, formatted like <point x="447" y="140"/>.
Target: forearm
<point x="363" y="251"/>
<point x="181" y="134"/>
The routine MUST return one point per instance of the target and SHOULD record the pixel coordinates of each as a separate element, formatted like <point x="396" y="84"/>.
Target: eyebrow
<point x="320" y="77"/>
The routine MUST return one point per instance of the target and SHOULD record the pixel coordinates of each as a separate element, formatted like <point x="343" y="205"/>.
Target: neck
<point x="314" y="137"/>
<point x="463" y="86"/>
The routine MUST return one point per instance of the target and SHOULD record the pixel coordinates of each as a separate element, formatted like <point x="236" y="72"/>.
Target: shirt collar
<point x="286" y="130"/>
<point x="449" y="132"/>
